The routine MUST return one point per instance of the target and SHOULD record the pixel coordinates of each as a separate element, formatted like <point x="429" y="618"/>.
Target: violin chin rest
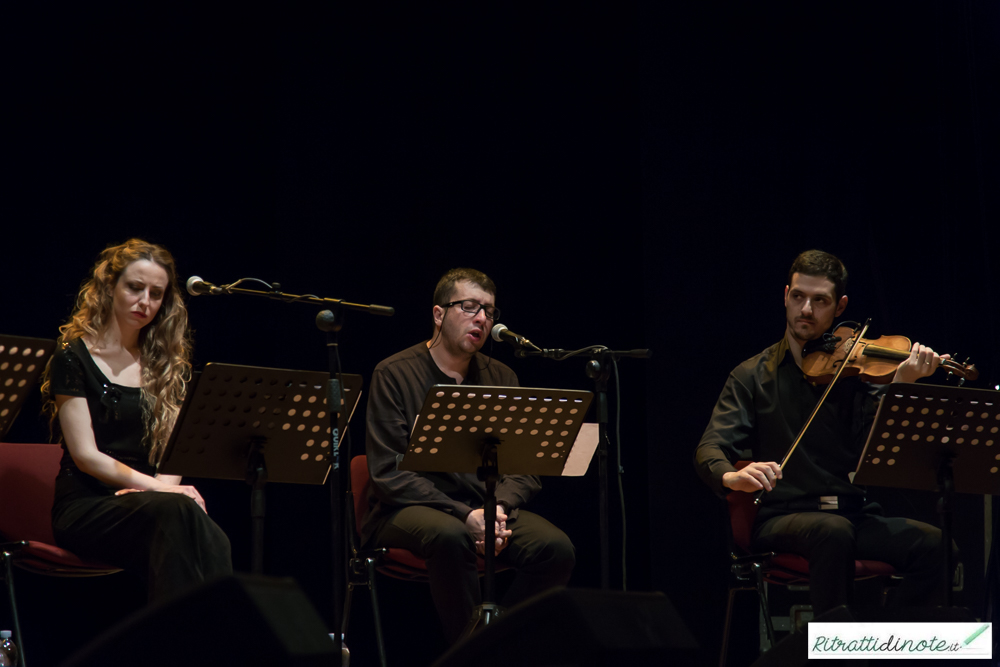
<point x="827" y="344"/>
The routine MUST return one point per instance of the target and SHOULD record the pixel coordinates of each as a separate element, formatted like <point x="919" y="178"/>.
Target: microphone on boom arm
<point x="501" y="334"/>
<point x="197" y="286"/>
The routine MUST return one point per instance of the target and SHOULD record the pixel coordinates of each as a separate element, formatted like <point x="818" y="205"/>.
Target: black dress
<point x="164" y="537"/>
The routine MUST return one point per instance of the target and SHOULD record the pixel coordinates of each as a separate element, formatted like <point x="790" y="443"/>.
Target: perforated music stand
<point x="260" y="425"/>
<point x="935" y="438"/>
<point x="22" y="360"/>
<point x="495" y="431"/>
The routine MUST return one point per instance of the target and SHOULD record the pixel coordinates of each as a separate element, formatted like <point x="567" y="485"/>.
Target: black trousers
<point x="832" y="542"/>
<point x="164" y="537"/>
<point x="542" y="554"/>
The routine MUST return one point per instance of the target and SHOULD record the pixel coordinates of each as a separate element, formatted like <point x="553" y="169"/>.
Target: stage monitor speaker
<point x="584" y="628"/>
<point x="236" y="620"/>
<point x="792" y="651"/>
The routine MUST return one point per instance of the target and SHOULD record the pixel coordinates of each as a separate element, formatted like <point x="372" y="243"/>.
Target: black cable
<point x="241" y="280"/>
<point x="618" y="452"/>
<point x="272" y="288"/>
<point x="621" y="471"/>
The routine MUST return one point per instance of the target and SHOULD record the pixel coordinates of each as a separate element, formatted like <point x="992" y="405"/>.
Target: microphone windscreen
<point x="191" y="285"/>
<point x="497" y="330"/>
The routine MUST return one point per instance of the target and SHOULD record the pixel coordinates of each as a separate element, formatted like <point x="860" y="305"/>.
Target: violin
<point x="875" y="360"/>
<point x="848" y="352"/>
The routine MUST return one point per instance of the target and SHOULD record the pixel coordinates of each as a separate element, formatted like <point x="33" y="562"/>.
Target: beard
<point x="805" y="330"/>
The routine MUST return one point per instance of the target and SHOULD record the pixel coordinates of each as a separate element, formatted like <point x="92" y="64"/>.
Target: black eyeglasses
<point x="471" y="307"/>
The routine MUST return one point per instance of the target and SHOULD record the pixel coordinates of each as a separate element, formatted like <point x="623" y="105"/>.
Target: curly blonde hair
<point x="165" y="349"/>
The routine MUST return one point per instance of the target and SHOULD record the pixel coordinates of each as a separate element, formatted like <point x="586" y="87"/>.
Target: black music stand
<point x="935" y="438"/>
<point x="22" y="360"/>
<point x="496" y="431"/>
<point x="260" y="425"/>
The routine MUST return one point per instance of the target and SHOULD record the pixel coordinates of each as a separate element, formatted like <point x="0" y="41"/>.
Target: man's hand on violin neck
<point x="921" y="363"/>
<point x="754" y="477"/>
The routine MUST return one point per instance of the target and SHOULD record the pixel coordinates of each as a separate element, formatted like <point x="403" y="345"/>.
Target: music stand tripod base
<point x="482" y="616"/>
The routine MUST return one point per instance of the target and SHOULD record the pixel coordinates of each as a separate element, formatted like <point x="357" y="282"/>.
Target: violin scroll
<point x="962" y="370"/>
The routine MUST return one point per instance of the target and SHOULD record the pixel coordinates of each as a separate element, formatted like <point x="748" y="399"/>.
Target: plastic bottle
<point x="345" y="655"/>
<point x="8" y="650"/>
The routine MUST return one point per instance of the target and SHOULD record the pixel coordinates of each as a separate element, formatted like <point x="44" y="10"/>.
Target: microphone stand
<point x="599" y="370"/>
<point x="330" y="321"/>
<point x="275" y="293"/>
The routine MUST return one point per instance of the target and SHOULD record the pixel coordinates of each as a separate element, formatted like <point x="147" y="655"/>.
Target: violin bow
<point x="859" y="334"/>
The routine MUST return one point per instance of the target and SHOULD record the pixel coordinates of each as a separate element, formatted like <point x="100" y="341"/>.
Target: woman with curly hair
<point x="114" y="388"/>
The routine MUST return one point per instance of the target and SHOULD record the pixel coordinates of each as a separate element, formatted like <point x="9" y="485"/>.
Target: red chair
<point x="751" y="570"/>
<point x="393" y="562"/>
<point x="27" y="487"/>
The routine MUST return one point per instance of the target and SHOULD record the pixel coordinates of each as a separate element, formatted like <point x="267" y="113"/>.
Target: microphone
<point x="196" y="286"/>
<point x="501" y="333"/>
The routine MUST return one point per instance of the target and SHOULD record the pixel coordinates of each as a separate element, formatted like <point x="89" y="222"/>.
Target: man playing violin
<point x="812" y="508"/>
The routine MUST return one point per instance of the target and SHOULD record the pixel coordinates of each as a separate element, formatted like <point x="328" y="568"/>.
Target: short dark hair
<point x="821" y="264"/>
<point x="446" y="286"/>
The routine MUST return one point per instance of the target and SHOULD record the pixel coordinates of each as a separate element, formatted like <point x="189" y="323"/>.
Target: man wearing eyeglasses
<point x="439" y="516"/>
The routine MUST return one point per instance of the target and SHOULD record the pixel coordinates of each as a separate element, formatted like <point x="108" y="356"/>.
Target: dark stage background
<point x="638" y="177"/>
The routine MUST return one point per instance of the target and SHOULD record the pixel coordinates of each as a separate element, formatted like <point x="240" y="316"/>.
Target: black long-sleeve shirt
<point x="398" y="388"/>
<point x="764" y="404"/>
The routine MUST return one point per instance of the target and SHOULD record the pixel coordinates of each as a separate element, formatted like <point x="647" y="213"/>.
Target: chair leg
<point x="724" y="652"/>
<point x="762" y="595"/>
<point x="345" y="621"/>
<point x="370" y="566"/>
<point x="6" y="557"/>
